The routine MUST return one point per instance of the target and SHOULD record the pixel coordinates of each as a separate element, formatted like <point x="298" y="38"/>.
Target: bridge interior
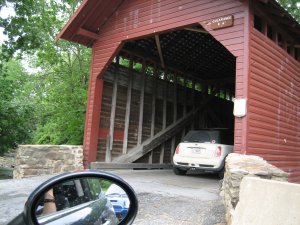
<point x="160" y="87"/>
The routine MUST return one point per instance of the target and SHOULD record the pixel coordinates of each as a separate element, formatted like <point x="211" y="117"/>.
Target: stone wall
<point x="239" y="166"/>
<point x="34" y="160"/>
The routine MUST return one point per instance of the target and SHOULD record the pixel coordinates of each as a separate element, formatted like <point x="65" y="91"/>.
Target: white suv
<point x="204" y="150"/>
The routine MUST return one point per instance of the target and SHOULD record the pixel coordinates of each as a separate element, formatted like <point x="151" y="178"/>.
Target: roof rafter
<point x="159" y="51"/>
<point x="87" y="33"/>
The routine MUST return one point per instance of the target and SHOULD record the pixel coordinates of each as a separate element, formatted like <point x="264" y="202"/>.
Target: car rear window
<point x="210" y="136"/>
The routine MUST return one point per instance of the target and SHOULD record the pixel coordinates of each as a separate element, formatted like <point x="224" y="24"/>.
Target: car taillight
<point x="177" y="150"/>
<point x="218" y="151"/>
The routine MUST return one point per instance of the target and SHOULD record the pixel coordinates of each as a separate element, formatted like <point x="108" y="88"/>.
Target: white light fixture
<point x="240" y="107"/>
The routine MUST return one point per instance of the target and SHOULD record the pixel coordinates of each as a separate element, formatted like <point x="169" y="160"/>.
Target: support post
<point x="193" y="102"/>
<point x="164" y="122"/>
<point x="142" y="95"/>
<point x="185" y="95"/>
<point x="112" y="114"/>
<point x="150" y="160"/>
<point x="175" y="98"/>
<point x="128" y="104"/>
<point x="173" y="148"/>
<point x="154" y="82"/>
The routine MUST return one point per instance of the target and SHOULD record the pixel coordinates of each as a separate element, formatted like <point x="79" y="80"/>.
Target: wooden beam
<point x="128" y="105"/>
<point x="87" y="33"/>
<point x="164" y="122"/>
<point x="162" y="153"/>
<point x="154" y="82"/>
<point x="197" y="30"/>
<point x="173" y="148"/>
<point x="185" y="95"/>
<point x="112" y="116"/>
<point x="159" y="51"/>
<point x="193" y="101"/>
<point x="142" y="95"/>
<point x="113" y="166"/>
<point x="108" y="152"/>
<point x="170" y="68"/>
<point x="154" y="142"/>
<point x="175" y="99"/>
<point x="150" y="160"/>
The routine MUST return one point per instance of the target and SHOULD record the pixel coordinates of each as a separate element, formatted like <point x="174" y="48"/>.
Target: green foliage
<point x="292" y="6"/>
<point x="58" y="84"/>
<point x="15" y="107"/>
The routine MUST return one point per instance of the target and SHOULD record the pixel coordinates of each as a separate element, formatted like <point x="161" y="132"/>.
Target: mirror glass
<point x="82" y="201"/>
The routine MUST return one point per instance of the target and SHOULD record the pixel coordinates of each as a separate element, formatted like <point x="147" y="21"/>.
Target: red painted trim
<point x="70" y="21"/>
<point x="246" y="74"/>
<point x="93" y="109"/>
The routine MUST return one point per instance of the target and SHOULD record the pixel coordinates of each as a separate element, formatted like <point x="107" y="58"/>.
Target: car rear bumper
<point x="186" y="163"/>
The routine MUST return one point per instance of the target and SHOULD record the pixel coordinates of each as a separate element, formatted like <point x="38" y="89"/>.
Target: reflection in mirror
<point x="82" y="201"/>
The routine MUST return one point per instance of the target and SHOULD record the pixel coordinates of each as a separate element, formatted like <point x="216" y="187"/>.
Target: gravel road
<point x="164" y="198"/>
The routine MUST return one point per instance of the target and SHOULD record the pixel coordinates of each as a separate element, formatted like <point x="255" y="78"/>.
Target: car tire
<point x="178" y="171"/>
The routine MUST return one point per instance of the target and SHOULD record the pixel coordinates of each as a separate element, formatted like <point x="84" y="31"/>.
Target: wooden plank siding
<point x="225" y="115"/>
<point x="274" y="105"/>
<point x="136" y="19"/>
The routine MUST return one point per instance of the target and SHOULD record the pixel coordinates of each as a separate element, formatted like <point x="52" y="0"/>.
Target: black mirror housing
<point x="29" y="215"/>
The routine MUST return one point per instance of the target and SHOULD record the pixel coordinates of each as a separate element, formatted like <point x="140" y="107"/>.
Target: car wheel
<point x="178" y="171"/>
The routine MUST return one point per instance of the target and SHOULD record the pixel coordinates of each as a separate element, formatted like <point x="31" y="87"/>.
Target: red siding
<point x="139" y="18"/>
<point x="274" y="105"/>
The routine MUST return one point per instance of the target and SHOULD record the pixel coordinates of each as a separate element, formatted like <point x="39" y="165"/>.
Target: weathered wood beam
<point x="159" y="51"/>
<point x="128" y="105"/>
<point x="173" y="147"/>
<point x="112" y="116"/>
<point x="102" y="165"/>
<point x="165" y="91"/>
<point x="154" y="82"/>
<point x="164" y="122"/>
<point x="150" y="160"/>
<point x="175" y="98"/>
<point x="185" y="95"/>
<point x="193" y="101"/>
<point x="197" y="30"/>
<point x="142" y="96"/>
<point x="151" y="143"/>
<point x="170" y="68"/>
<point x="162" y="153"/>
<point x="87" y="33"/>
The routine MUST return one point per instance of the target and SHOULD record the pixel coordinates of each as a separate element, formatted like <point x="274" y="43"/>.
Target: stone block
<point x="238" y="167"/>
<point x="47" y="159"/>
<point x="267" y="202"/>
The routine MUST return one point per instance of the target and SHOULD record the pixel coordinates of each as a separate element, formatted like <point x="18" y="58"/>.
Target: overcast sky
<point x="4" y="13"/>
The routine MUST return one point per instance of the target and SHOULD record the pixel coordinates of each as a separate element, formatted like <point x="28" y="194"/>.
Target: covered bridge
<point x="163" y="67"/>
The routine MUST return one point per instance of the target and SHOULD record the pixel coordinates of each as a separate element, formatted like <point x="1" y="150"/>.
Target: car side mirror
<point x="86" y="197"/>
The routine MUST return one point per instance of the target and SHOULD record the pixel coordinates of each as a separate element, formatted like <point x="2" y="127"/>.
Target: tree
<point x="59" y="81"/>
<point x="293" y="7"/>
<point x="15" y="107"/>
